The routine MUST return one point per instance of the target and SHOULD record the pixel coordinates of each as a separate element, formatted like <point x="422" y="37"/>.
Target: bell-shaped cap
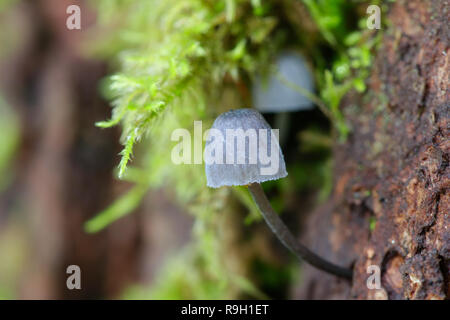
<point x="241" y="149"/>
<point x="270" y="94"/>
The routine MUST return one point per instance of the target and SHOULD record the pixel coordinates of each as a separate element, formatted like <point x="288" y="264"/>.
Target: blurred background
<point x="159" y="232"/>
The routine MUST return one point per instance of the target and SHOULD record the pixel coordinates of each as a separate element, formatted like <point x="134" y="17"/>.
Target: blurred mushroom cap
<point x="271" y="95"/>
<point x="256" y="158"/>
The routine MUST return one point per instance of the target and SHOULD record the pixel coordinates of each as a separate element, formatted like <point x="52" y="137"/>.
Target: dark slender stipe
<point x="287" y="238"/>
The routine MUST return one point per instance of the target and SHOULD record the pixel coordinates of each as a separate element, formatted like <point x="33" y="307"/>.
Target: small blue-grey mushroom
<point x="272" y="95"/>
<point x="242" y="149"/>
<point x="231" y="160"/>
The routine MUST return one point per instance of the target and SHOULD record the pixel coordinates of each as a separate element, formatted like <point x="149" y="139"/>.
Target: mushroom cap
<point x="243" y="173"/>
<point x="271" y="95"/>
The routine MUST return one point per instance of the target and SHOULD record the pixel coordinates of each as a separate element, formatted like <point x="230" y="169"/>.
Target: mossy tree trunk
<point x="391" y="204"/>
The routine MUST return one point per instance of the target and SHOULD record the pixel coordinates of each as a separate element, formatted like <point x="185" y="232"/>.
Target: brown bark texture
<point x="393" y="171"/>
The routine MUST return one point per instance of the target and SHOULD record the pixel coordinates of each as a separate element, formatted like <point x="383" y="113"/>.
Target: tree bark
<point x="394" y="169"/>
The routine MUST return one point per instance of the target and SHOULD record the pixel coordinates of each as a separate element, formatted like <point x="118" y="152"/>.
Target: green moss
<point x="372" y="224"/>
<point x="9" y="140"/>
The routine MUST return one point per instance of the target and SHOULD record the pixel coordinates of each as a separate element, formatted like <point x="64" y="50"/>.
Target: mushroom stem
<point x="287" y="238"/>
<point x="283" y="124"/>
